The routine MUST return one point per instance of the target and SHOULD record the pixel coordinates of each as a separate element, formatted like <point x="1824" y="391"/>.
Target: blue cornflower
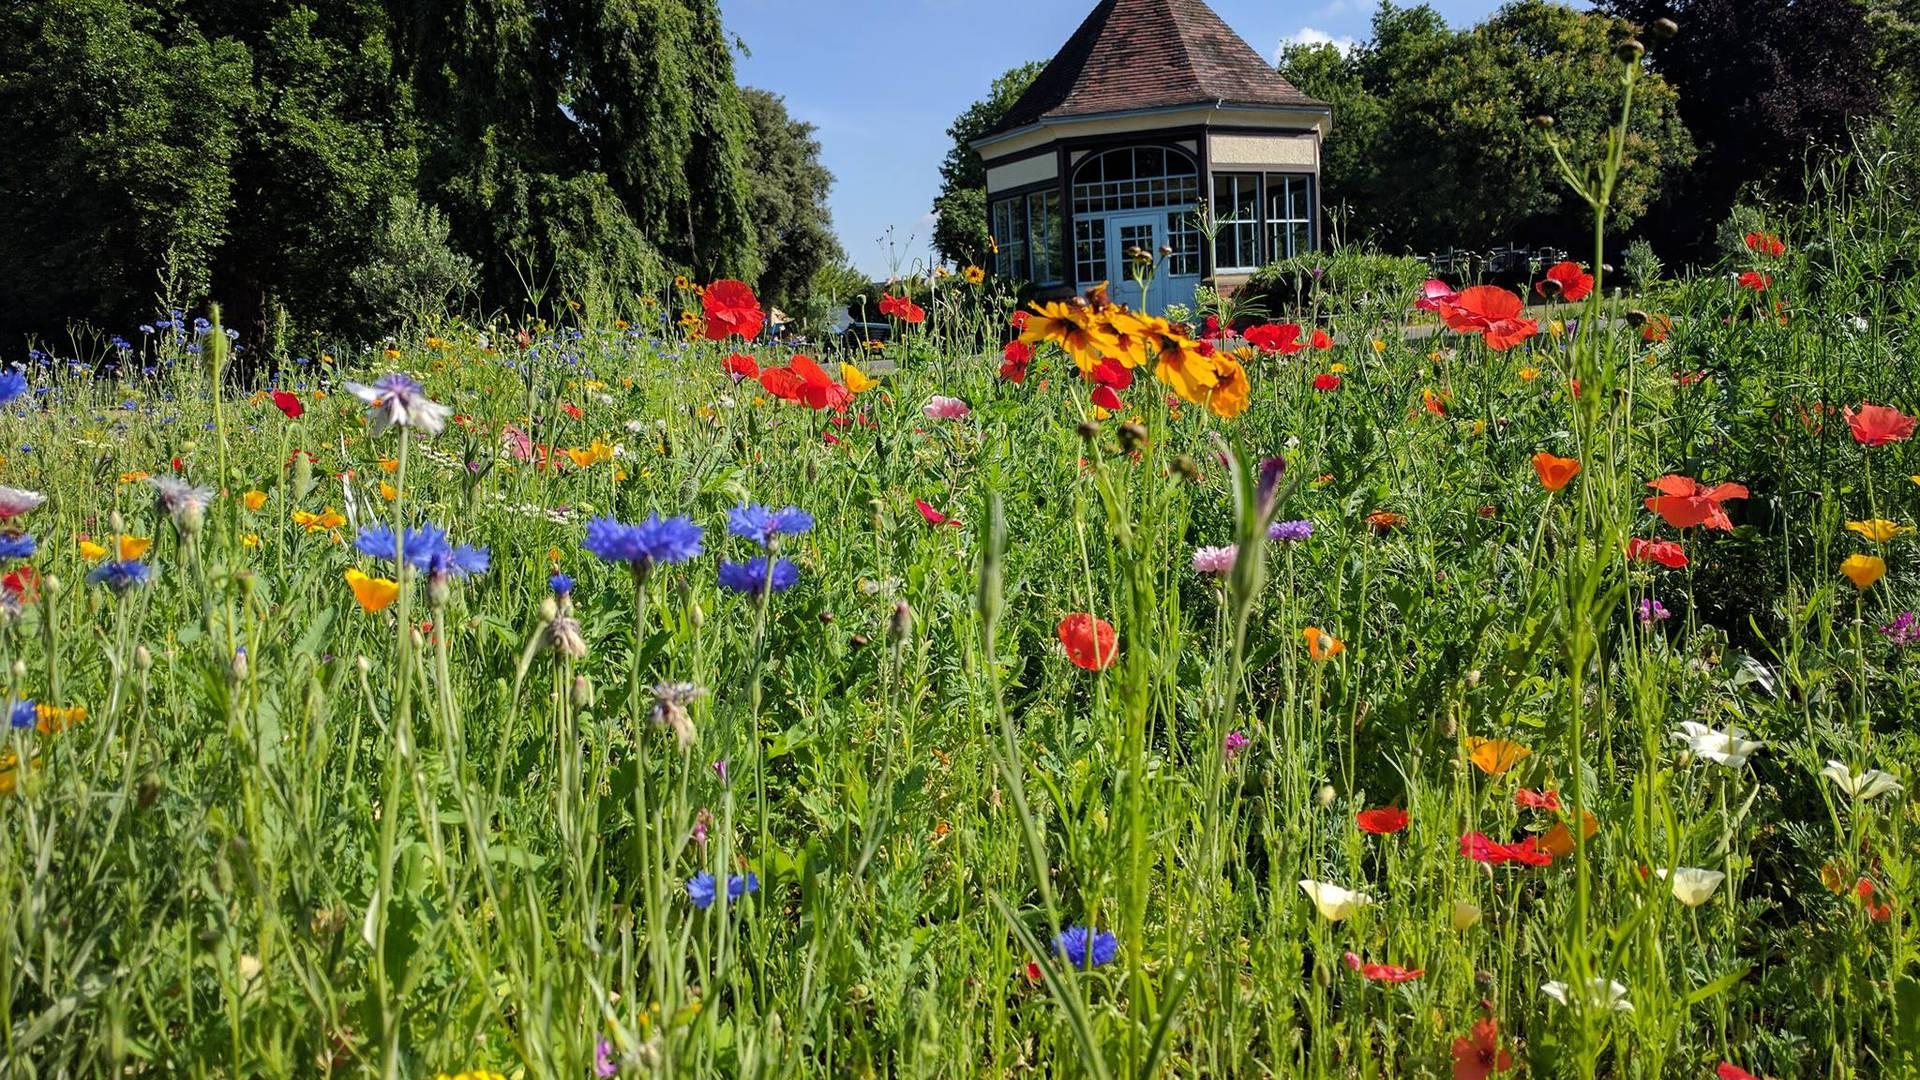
<point x="740" y="885"/>
<point x="458" y="561"/>
<point x="418" y="549"/>
<point x="760" y="525"/>
<point x="23" y="714"/>
<point x="655" y="540"/>
<point x="751" y="576"/>
<point x="561" y="584"/>
<point x="700" y="890"/>
<point x="120" y="576"/>
<point x="1290" y="532"/>
<point x="1085" y="947"/>
<point x="16" y="546"/>
<point x="12" y="385"/>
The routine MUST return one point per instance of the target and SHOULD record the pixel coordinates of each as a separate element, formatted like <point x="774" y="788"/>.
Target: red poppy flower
<point x="742" y="367"/>
<point x="902" y="308"/>
<point x="1391" y="973"/>
<point x="1544" y="799"/>
<point x="1435" y="295"/>
<point x="1684" y="502"/>
<point x="1728" y="1070"/>
<point x="1382" y="821"/>
<point x="934" y="517"/>
<point x="1019" y="320"/>
<point x="289" y="404"/>
<point x="732" y="310"/>
<point x="1111" y="372"/>
<point x="1482" y="848"/>
<point x="1326" y="382"/>
<point x="1565" y="281"/>
<point x="1493" y="312"/>
<point x="1322" y="339"/>
<point x="1282" y="338"/>
<point x="1878" y="425"/>
<point x="1089" y="641"/>
<point x="1755" y="280"/>
<point x="1765" y="244"/>
<point x="1656" y="329"/>
<point x="571" y="409"/>
<point x="1104" y="397"/>
<point x="1876" y="911"/>
<point x="830" y="438"/>
<point x="22" y="584"/>
<point x="1665" y="552"/>
<point x="1477" y="1055"/>
<point x="782" y="383"/>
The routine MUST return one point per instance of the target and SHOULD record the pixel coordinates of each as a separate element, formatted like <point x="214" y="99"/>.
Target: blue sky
<point x="882" y="79"/>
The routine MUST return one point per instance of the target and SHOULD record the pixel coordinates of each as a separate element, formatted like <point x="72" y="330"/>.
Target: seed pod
<point x="1630" y="51"/>
<point x="1089" y="430"/>
<point x="1663" y="30"/>
<point x="1132" y="437"/>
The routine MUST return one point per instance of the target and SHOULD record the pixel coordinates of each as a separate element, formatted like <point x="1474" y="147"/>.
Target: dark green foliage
<point x="960" y="210"/>
<point x="1359" y="275"/>
<point x="260" y="151"/>
<point x="1433" y="144"/>
<point x="788" y="187"/>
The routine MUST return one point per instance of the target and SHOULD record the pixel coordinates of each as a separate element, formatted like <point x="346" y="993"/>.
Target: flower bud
<point x="901" y="624"/>
<point x="1325" y="795"/>
<point x="1466" y="915"/>
<point x="1542" y="121"/>
<point x="19" y="670"/>
<point x="1132" y="437"/>
<point x="1630" y="51"/>
<point x="365" y="665"/>
<point x="1663" y="30"/>
<point x="439" y="590"/>
<point x="240" y="664"/>
<point x="1187" y="468"/>
<point x="564" y="637"/>
<point x="549" y="609"/>
<point x="1089" y="430"/>
<point x="142" y="658"/>
<point x="582" y="692"/>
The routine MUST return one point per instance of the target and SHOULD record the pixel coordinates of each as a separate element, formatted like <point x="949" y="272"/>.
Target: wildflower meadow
<point x="1456" y="683"/>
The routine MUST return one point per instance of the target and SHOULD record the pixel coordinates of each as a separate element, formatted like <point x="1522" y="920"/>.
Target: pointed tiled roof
<point x="1147" y="54"/>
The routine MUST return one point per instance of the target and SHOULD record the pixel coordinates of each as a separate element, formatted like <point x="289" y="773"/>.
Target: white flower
<point x="1862" y="786"/>
<point x="1691" y="885"/>
<point x="396" y="399"/>
<point x="1334" y="902"/>
<point x="1731" y="747"/>
<point x="16" y="501"/>
<point x="1466" y="915"/>
<point x="1599" y="992"/>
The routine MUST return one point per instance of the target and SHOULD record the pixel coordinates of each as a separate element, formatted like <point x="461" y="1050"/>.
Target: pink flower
<point x="1236" y="742"/>
<point x="946" y="408"/>
<point x="1215" y="560"/>
<point x="16" y="501"/>
<point x="1435" y="294"/>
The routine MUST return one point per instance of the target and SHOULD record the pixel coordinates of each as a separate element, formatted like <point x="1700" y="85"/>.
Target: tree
<point x="1434" y="147"/>
<point x="787" y="187"/>
<point x="1763" y="83"/>
<point x="960" y="210"/>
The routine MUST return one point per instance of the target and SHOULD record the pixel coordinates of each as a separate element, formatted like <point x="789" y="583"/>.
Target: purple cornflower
<point x="761" y="525"/>
<point x="561" y="584"/>
<point x="752" y="577"/>
<point x="1903" y="630"/>
<point x="457" y="562"/>
<point x="16" y="546"/>
<point x="12" y="385"/>
<point x="1086" y="948"/>
<point x="1217" y="561"/>
<point x="415" y="549"/>
<point x="655" y="540"/>
<point x="1289" y="532"/>
<point x="397" y="399"/>
<point x="740" y="885"/>
<point x="23" y="714"/>
<point x="603" y="1065"/>
<point x="1653" y="611"/>
<point x="720" y="771"/>
<point x="1236" y="741"/>
<point x="120" y="576"/>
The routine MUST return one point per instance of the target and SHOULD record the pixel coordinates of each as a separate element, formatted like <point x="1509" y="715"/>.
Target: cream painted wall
<point x="1229" y="152"/>
<point x="1031" y="170"/>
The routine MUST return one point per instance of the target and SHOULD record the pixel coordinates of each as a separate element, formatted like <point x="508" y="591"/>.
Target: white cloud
<point x="1307" y="35"/>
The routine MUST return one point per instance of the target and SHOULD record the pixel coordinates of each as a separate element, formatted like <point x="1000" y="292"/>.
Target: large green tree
<point x="787" y="187"/>
<point x="265" y="152"/>
<point x="960" y="209"/>
<point x="1434" y="146"/>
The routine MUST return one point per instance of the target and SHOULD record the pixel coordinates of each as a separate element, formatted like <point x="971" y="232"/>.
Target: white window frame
<point x="1241" y="235"/>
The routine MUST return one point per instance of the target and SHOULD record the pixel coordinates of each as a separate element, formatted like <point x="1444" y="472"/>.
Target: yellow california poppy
<point x="1864" y="570"/>
<point x="1559" y="839"/>
<point x="389" y="464"/>
<point x="1879" y="530"/>
<point x="388" y="491"/>
<point x="254" y="500"/>
<point x="1322" y="645"/>
<point x="320" y="522"/>
<point x="91" y="551"/>
<point x="859" y="382"/>
<point x="371" y="593"/>
<point x="1496" y="756"/>
<point x="132" y="547"/>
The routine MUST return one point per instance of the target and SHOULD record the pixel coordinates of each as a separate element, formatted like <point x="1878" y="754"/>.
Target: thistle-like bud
<point x="1187" y="468"/>
<point x="1132" y="437"/>
<point x="582" y="692"/>
<point x="439" y="590"/>
<point x="1089" y="430"/>
<point x="564" y="637"/>
<point x="900" y="626"/>
<point x="1636" y="319"/>
<point x="142" y="658"/>
<point x="1542" y="121"/>
<point x="240" y="664"/>
<point x="19" y="670"/>
<point x="1325" y="795"/>
<point x="549" y="609"/>
<point x="857" y="641"/>
<point x="670" y="701"/>
<point x="365" y="665"/>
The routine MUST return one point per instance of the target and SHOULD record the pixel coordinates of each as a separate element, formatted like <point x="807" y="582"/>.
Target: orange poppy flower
<point x="1559" y="839"/>
<point x="1089" y="641"/>
<point x="1555" y="472"/>
<point x="1322" y="645"/>
<point x="1495" y="756"/>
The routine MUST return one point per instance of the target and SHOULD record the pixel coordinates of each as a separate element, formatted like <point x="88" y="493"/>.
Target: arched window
<point x="1135" y="178"/>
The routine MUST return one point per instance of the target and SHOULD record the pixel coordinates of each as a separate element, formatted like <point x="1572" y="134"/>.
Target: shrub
<point x="1358" y="275"/>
